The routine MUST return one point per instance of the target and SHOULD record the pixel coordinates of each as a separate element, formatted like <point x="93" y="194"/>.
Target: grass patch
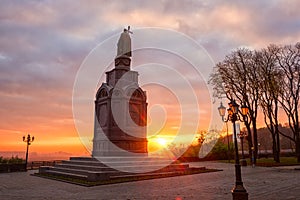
<point x="269" y="162"/>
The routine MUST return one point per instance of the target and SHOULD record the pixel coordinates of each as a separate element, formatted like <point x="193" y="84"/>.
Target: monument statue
<point x="126" y="132"/>
<point x="124" y="43"/>
<point x="120" y="145"/>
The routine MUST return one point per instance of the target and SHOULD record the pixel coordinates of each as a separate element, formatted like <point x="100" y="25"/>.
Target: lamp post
<point x="222" y="111"/>
<point x="258" y="147"/>
<point x="238" y="191"/>
<point x="242" y="135"/>
<point x="28" y="141"/>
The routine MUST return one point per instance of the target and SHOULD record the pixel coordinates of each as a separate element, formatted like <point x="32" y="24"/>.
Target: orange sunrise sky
<point x="44" y="43"/>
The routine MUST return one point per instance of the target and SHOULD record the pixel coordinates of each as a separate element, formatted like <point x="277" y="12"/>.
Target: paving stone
<point x="260" y="182"/>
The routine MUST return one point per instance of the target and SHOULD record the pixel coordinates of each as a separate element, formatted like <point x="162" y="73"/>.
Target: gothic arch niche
<point x="136" y="106"/>
<point x="102" y="93"/>
<point x="135" y="112"/>
<point x="102" y="115"/>
<point x="135" y="93"/>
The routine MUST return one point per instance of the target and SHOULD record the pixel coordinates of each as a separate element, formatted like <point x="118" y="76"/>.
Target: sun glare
<point x="157" y="143"/>
<point x="162" y="142"/>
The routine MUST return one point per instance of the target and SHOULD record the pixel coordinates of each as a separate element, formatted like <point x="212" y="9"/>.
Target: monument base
<point x="102" y="170"/>
<point x="120" y="148"/>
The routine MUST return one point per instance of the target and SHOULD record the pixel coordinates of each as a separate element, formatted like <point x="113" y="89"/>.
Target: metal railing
<point x="37" y="164"/>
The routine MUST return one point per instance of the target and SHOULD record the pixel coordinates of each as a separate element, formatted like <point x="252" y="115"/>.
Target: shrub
<point x="220" y="151"/>
<point x="12" y="160"/>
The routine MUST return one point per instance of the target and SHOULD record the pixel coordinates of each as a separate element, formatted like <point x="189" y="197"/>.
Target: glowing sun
<point x="161" y="142"/>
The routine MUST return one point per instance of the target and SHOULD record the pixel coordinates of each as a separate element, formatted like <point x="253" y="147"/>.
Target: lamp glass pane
<point x="235" y="107"/>
<point x="229" y="110"/>
<point x="222" y="110"/>
<point x="244" y="110"/>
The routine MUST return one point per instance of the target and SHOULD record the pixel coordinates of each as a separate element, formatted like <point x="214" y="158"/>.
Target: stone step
<point x="137" y="163"/>
<point x="90" y="169"/>
<point x="66" y="174"/>
<point x="140" y="163"/>
<point x="81" y="171"/>
<point x="85" y="167"/>
<point x="123" y="159"/>
<point x="143" y="174"/>
<point x="83" y="158"/>
<point x="129" y="167"/>
<point x="92" y="176"/>
<point x="152" y="168"/>
<point x="83" y="162"/>
<point x="100" y="176"/>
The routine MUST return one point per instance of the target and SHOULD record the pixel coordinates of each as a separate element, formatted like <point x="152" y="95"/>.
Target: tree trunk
<point x="249" y="139"/>
<point x="274" y="147"/>
<point x="277" y="145"/>
<point x="255" y="144"/>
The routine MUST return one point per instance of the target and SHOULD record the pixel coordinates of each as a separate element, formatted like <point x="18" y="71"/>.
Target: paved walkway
<point x="261" y="183"/>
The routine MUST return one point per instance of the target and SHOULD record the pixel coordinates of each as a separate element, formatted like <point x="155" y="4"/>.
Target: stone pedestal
<point x="90" y="171"/>
<point x="120" y="114"/>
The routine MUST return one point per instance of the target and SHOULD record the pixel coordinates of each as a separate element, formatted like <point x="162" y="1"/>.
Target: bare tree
<point x="270" y="86"/>
<point x="269" y="78"/>
<point x="236" y="78"/>
<point x="288" y="58"/>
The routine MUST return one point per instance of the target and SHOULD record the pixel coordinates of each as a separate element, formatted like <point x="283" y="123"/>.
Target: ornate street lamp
<point x="28" y="141"/>
<point x="238" y="191"/>
<point x="222" y="111"/>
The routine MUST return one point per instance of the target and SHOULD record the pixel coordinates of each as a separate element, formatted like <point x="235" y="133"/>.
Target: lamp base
<point x="239" y="193"/>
